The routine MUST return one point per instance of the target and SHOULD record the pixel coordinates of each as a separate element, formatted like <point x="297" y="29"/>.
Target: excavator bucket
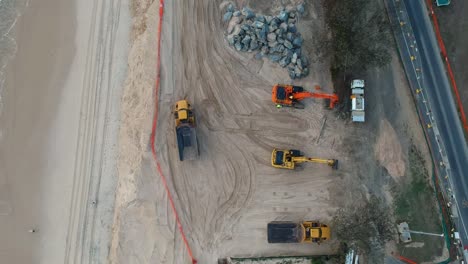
<point x="335" y="164"/>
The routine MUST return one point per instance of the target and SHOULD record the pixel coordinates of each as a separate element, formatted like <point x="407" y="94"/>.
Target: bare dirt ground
<point x="453" y="21"/>
<point x="226" y="198"/>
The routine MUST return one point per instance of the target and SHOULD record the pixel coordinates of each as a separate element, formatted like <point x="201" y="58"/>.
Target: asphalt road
<point x="448" y="129"/>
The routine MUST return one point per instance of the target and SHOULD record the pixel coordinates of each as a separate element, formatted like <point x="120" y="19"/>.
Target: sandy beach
<point x="59" y="125"/>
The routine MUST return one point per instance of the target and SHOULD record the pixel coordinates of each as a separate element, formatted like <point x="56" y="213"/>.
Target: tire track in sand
<point x="83" y="245"/>
<point x="237" y="124"/>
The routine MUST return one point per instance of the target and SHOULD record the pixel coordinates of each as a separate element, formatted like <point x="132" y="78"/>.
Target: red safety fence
<point x="447" y="63"/>
<point x="406" y="260"/>
<point x="153" y="133"/>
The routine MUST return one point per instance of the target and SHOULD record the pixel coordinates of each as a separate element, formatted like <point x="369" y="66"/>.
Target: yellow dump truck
<point x="290" y="232"/>
<point x="185" y="124"/>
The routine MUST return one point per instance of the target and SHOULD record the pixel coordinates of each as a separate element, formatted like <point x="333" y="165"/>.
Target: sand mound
<point x="388" y="150"/>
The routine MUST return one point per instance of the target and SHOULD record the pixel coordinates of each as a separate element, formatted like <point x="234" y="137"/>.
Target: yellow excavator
<point x="287" y="159"/>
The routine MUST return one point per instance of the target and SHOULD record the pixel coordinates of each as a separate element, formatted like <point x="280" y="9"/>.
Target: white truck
<point x="357" y="101"/>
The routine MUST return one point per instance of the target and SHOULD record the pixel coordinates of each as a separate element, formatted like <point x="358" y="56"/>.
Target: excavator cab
<point x="288" y="159"/>
<point x="284" y="95"/>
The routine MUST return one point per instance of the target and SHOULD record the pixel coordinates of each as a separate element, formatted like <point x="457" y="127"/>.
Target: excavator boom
<point x="330" y="162"/>
<point x="287" y="159"/>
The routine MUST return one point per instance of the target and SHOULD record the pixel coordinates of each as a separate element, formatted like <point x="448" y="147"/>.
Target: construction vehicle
<point x="290" y="95"/>
<point x="357" y="101"/>
<point x="290" y="232"/>
<point x="288" y="159"/>
<point x="187" y="141"/>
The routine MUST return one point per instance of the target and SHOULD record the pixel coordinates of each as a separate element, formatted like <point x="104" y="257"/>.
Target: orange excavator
<point x="290" y="95"/>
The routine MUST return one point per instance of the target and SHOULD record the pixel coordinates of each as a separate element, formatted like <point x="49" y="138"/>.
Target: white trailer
<point x="357" y="101"/>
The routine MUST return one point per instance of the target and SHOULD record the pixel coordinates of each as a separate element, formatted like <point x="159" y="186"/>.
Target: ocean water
<point x="10" y="11"/>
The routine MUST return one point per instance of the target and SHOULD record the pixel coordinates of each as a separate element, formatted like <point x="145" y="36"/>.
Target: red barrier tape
<point x="449" y="67"/>
<point x="153" y="133"/>
<point x="406" y="260"/>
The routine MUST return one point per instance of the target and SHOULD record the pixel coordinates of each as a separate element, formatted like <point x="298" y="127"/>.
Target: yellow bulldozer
<point x="185" y="124"/>
<point x="288" y="159"/>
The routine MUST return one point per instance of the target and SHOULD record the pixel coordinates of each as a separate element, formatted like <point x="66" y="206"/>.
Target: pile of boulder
<point x="274" y="37"/>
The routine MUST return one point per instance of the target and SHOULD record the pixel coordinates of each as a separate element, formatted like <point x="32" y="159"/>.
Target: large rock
<point x="271" y="37"/>
<point x="272" y="44"/>
<point x="238" y="46"/>
<point x="292" y="15"/>
<point x="280" y="48"/>
<point x="265" y="50"/>
<point x="227" y="16"/>
<point x="284" y="26"/>
<point x="246" y="40"/>
<point x="263" y="33"/>
<point x="298" y="51"/>
<point x="260" y="18"/>
<point x="254" y="45"/>
<point x="300" y="8"/>
<point x="288" y="44"/>
<point x="258" y="24"/>
<point x="305" y="61"/>
<point x="249" y="14"/>
<point x="299" y="64"/>
<point x="236" y="13"/>
<point x="230" y="8"/>
<point x="234" y="21"/>
<point x="279" y="31"/>
<point x="258" y="56"/>
<point x="294" y="58"/>
<point x="291" y="21"/>
<point x="290" y="36"/>
<point x="273" y="27"/>
<point x="288" y="53"/>
<point x="284" y="15"/>
<point x="268" y="19"/>
<point x="292" y="28"/>
<point x="297" y="72"/>
<point x="284" y="61"/>
<point x="275" y="21"/>
<point x="274" y="58"/>
<point x="298" y="41"/>
<point x="291" y="72"/>
<point x="237" y="30"/>
<point x="246" y="27"/>
<point x="231" y="39"/>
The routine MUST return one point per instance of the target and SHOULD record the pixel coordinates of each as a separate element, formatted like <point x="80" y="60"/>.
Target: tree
<point x="360" y="34"/>
<point x="365" y="227"/>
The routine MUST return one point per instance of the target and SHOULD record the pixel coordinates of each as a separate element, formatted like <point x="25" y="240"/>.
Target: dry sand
<point x="227" y="197"/>
<point x="388" y="150"/>
<point x="61" y="108"/>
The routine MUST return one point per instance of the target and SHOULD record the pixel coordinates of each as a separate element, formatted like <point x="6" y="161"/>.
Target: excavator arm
<point x="302" y="95"/>
<point x="330" y="162"/>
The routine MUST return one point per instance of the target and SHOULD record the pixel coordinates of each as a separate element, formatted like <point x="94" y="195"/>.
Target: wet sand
<point x="58" y="127"/>
<point x="33" y="92"/>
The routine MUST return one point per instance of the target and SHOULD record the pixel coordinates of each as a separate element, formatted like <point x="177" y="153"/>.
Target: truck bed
<point x="284" y="232"/>
<point x="187" y="142"/>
